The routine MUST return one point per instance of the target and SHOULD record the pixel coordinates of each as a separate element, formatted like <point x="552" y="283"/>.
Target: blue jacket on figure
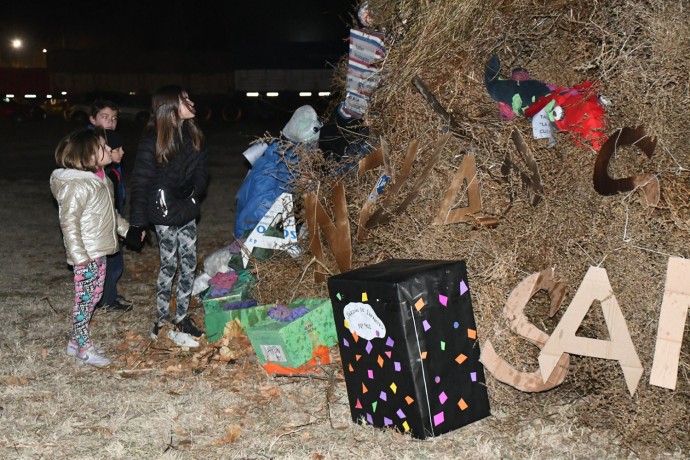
<point x="271" y="174"/>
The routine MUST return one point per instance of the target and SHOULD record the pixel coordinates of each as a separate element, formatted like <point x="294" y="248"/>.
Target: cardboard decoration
<point x="280" y="214"/>
<point x="408" y="346"/>
<point x="382" y="215"/>
<point x="337" y="234"/>
<point x="466" y="172"/>
<point x="380" y="157"/>
<point x="514" y="313"/>
<point x="531" y="181"/>
<point x="438" y="108"/>
<point x="648" y="183"/>
<point x="595" y="286"/>
<point x="674" y="314"/>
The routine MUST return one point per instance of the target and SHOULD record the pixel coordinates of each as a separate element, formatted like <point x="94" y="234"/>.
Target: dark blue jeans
<point x="113" y="272"/>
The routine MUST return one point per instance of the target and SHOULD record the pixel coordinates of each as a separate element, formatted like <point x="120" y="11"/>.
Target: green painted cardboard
<point x="215" y="315"/>
<point x="292" y="344"/>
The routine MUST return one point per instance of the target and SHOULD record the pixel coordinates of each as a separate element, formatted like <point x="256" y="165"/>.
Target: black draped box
<point x="408" y="344"/>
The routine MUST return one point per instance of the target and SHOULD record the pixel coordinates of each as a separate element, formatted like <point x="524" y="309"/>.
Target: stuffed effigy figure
<point x="577" y="110"/>
<point x="271" y="173"/>
<point x="518" y="93"/>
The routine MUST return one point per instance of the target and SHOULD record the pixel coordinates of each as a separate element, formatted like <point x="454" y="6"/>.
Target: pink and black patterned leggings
<point x="88" y="289"/>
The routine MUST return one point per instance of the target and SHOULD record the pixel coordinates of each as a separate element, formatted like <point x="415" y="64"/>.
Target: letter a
<point x="595" y="286"/>
<point x="674" y="313"/>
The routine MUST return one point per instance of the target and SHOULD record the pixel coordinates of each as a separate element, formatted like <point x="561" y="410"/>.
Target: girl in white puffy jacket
<point x="90" y="227"/>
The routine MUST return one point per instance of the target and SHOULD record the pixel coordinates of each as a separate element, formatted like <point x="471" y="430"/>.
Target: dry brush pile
<point x="638" y="51"/>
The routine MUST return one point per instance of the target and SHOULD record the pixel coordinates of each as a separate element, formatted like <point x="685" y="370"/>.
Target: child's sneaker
<point x="187" y="325"/>
<point x="182" y="339"/>
<point x="90" y="357"/>
<point x="73" y="348"/>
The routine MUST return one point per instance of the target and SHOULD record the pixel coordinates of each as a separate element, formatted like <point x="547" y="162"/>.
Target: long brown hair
<point x="78" y="150"/>
<point x="165" y="118"/>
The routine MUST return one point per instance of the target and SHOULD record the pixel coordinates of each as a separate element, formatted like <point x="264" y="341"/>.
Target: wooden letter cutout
<point x="337" y="234"/>
<point x="532" y="181"/>
<point x="382" y="215"/>
<point x="648" y="183"/>
<point x="595" y="286"/>
<point x="514" y="313"/>
<point x="445" y="216"/>
<point x="280" y="212"/>
<point x="674" y="314"/>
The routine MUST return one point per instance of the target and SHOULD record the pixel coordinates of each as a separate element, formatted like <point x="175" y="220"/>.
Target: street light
<point x="16" y="43"/>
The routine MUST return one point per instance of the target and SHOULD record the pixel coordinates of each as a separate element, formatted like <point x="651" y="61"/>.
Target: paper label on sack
<point x="541" y="126"/>
<point x="281" y="211"/>
<point x="362" y="319"/>
<point x="274" y="353"/>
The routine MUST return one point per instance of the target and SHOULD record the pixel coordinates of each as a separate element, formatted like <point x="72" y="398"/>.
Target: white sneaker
<point x="92" y="358"/>
<point x="182" y="339"/>
<point x="72" y="349"/>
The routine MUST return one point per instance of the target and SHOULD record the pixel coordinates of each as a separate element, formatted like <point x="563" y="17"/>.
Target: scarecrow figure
<point x="272" y="169"/>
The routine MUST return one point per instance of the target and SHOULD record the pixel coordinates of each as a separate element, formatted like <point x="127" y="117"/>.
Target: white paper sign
<point x="273" y="353"/>
<point x="541" y="126"/>
<point x="281" y="210"/>
<point x="361" y="318"/>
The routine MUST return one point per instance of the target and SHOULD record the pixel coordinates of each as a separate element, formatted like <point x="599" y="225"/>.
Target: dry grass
<point x="161" y="402"/>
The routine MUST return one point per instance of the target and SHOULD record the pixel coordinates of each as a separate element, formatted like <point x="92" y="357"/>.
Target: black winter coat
<point x="167" y="193"/>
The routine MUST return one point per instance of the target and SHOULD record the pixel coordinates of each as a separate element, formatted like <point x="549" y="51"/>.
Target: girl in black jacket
<point x="169" y="178"/>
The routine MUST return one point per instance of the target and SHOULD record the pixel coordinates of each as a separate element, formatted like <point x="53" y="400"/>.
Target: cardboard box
<point x="219" y="310"/>
<point x="408" y="344"/>
<point x="291" y="344"/>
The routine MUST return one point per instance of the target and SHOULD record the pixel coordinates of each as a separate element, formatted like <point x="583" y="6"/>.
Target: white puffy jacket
<point x="90" y="225"/>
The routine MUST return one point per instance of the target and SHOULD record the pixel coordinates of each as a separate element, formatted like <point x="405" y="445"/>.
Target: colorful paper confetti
<point x="409" y="400"/>
<point x="345" y="342"/>
<point x="473" y="376"/>
<point x="439" y="418"/>
<point x="373" y="406"/>
<point x="442" y="397"/>
<point x="443" y="345"/>
<point x="389" y="354"/>
<point x="400" y="413"/>
<point x="387" y="421"/>
<point x="358" y="405"/>
<point x="463" y="287"/>
<point x="462" y="404"/>
<point x="368" y="347"/>
<point x="419" y="304"/>
<point x="471" y="333"/>
<point x="364" y="388"/>
<point x="396" y="366"/>
<point x="370" y="373"/>
<point x="426" y="325"/>
<point x="406" y="426"/>
<point x="364" y="297"/>
<point x="370" y="419"/>
<point x="394" y="388"/>
<point x="461" y="358"/>
<point x="383" y="396"/>
<point x="380" y="361"/>
<point x="339" y="297"/>
<point x="443" y="300"/>
<point x="390" y="342"/>
<point x="350" y="368"/>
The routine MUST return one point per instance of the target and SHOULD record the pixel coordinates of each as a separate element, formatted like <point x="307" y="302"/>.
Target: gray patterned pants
<point x="177" y="247"/>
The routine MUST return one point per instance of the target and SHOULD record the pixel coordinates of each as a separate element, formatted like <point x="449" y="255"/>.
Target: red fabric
<point x="584" y="116"/>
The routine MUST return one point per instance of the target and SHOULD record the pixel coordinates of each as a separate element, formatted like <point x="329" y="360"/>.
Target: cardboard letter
<point x="382" y="214"/>
<point x="674" y="314"/>
<point x="279" y="214"/>
<point x="337" y="234"/>
<point x="532" y="181"/>
<point x="648" y="183"/>
<point x="514" y="313"/>
<point x="446" y="215"/>
<point x="595" y="286"/>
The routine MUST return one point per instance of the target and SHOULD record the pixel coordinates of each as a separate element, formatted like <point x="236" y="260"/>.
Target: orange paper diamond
<point x="462" y="404"/>
<point x="380" y="361"/>
<point x="355" y="336"/>
<point x="424" y="355"/>
<point x="461" y="358"/>
<point x="409" y="400"/>
<point x="471" y="333"/>
<point x="420" y="304"/>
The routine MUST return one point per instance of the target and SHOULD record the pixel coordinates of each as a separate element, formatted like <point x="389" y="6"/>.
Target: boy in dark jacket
<point x="111" y="301"/>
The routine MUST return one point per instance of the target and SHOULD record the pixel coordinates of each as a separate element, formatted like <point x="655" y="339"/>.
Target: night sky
<point x="204" y="25"/>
